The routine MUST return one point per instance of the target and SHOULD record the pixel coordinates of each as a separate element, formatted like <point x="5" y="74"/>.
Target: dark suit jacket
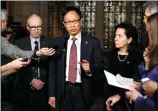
<point x="90" y="51"/>
<point x="25" y="75"/>
<point x="25" y="44"/>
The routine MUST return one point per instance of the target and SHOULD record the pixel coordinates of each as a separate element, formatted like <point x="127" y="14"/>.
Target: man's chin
<point x="36" y="36"/>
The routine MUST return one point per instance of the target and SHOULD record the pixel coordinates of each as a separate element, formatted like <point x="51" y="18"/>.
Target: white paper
<point x="118" y="80"/>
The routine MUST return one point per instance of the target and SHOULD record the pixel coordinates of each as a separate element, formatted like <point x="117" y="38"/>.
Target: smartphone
<point x="137" y="81"/>
<point x="55" y="47"/>
<point x="145" y="80"/>
<point x="109" y="104"/>
<point x="26" y="58"/>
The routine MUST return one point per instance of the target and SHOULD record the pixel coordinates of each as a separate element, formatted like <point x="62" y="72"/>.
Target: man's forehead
<point x="34" y="20"/>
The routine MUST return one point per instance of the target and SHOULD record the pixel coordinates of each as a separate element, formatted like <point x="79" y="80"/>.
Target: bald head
<point x="34" y="17"/>
<point x="34" y="25"/>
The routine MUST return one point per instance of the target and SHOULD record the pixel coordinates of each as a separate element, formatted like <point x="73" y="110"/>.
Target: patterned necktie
<point x="35" y="68"/>
<point x="73" y="62"/>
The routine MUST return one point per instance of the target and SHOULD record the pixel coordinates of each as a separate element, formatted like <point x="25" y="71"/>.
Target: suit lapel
<point x="28" y="43"/>
<point x="66" y="38"/>
<point x="84" y="47"/>
<point x="42" y="42"/>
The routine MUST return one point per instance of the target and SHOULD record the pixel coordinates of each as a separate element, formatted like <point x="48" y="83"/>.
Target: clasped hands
<point x="37" y="84"/>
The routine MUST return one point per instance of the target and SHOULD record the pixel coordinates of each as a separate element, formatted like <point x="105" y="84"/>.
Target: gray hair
<point x="152" y="5"/>
<point x="4" y="14"/>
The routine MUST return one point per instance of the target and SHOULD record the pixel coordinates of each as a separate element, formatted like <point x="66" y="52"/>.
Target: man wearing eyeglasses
<point x="72" y="72"/>
<point x="13" y="51"/>
<point x="34" y="76"/>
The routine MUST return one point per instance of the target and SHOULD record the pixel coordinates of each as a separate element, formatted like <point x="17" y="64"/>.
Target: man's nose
<point x="36" y="30"/>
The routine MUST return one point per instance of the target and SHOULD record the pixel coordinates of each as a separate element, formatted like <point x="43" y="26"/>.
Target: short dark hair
<point x="130" y="30"/>
<point x="72" y="8"/>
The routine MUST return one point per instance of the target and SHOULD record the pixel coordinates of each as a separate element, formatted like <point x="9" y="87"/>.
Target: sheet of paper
<point x="112" y="80"/>
<point x="124" y="81"/>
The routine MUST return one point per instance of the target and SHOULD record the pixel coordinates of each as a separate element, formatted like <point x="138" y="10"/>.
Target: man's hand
<point x="111" y="101"/>
<point x="37" y="84"/>
<point x="51" y="102"/>
<point x="45" y="51"/>
<point x="85" y="65"/>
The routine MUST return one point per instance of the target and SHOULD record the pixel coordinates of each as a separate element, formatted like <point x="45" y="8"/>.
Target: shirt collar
<point x="34" y="39"/>
<point x="78" y="36"/>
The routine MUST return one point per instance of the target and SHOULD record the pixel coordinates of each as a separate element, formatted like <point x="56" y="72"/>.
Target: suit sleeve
<point x="97" y="65"/>
<point x="51" y="77"/>
<point x="12" y="51"/>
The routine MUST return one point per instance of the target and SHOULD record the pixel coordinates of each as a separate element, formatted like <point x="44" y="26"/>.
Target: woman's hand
<point x="150" y="87"/>
<point x="146" y="56"/>
<point x="132" y="94"/>
<point x="111" y="101"/>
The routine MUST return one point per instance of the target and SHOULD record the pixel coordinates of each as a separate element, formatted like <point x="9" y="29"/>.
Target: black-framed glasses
<point x="72" y="22"/>
<point x="32" y="28"/>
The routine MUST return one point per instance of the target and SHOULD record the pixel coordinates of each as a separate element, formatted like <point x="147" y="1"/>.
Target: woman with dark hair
<point x="123" y="60"/>
<point x="149" y="70"/>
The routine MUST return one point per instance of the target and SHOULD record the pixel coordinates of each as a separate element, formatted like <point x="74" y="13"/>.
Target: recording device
<point x="55" y="47"/>
<point x="109" y="104"/>
<point x="26" y="58"/>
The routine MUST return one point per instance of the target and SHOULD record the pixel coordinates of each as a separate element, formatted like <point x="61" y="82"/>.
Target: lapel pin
<point x="127" y="62"/>
<point x="86" y="42"/>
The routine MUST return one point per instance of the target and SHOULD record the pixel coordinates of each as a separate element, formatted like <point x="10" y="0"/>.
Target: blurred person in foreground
<point x="148" y="69"/>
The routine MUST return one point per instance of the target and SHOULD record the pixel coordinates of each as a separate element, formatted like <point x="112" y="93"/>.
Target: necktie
<point x="36" y="46"/>
<point x="35" y="68"/>
<point x="73" y="62"/>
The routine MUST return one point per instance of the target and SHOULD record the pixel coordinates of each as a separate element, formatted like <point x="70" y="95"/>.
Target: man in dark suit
<point x="34" y="76"/>
<point x="75" y="68"/>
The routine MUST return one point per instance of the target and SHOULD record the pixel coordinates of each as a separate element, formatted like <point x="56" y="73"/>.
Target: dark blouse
<point x="125" y="65"/>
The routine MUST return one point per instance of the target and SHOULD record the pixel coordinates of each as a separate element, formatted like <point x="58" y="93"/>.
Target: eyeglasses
<point x="32" y="28"/>
<point x="145" y="16"/>
<point x="72" y="22"/>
